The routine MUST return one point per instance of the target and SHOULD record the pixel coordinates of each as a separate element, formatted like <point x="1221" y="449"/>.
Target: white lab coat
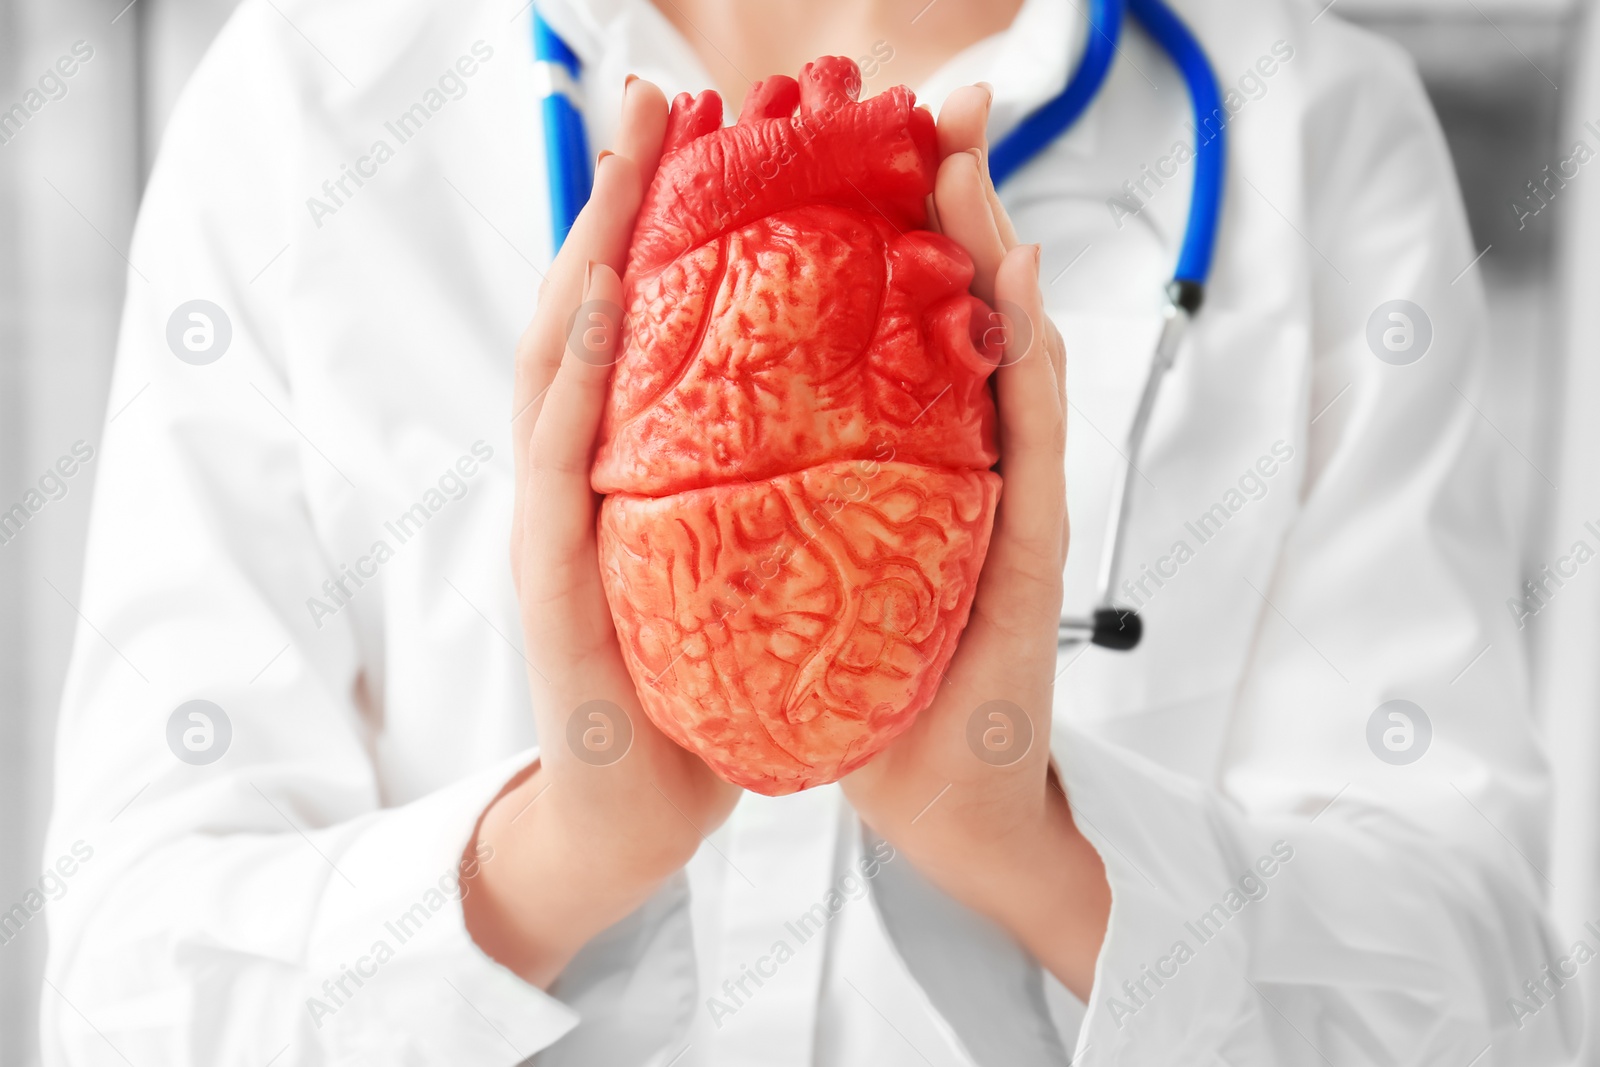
<point x="292" y="903"/>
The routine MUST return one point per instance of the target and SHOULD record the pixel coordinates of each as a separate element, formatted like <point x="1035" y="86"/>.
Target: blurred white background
<point x="1513" y="83"/>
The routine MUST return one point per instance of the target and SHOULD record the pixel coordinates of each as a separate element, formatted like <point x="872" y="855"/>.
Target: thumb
<point x="562" y="445"/>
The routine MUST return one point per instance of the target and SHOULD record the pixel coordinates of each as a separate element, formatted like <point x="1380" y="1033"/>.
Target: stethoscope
<point x="1109" y="626"/>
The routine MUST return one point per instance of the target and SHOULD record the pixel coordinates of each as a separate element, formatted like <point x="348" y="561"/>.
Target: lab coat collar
<point x="581" y="23"/>
<point x="1027" y="63"/>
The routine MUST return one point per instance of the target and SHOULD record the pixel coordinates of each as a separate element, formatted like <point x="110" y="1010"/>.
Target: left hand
<point x="997" y="833"/>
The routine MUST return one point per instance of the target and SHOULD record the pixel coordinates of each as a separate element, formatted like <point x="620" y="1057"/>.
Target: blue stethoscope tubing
<point x="566" y="143"/>
<point x="1110" y="626"/>
<point x="1038" y="130"/>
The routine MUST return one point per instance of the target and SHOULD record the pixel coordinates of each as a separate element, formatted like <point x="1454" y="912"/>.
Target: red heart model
<point x="797" y="443"/>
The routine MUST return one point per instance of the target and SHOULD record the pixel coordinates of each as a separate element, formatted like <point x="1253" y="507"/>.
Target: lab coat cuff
<point x="987" y="988"/>
<point x="633" y="986"/>
<point x="394" y="976"/>
<point x="1176" y="945"/>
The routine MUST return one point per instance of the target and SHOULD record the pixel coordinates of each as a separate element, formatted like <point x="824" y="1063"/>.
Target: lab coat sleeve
<point x="268" y="905"/>
<point x="1340" y="896"/>
<point x="1322" y="902"/>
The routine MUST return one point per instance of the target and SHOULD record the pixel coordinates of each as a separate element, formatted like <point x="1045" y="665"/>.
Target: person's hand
<point x="602" y="821"/>
<point x="967" y="793"/>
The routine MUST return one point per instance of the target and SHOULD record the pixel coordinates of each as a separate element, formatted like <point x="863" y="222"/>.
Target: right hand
<point x="585" y="838"/>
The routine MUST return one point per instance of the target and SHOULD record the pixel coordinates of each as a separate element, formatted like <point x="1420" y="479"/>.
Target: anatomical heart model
<point x="797" y="445"/>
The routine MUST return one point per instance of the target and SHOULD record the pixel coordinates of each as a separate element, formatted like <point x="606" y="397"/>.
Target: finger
<point x="1056" y="348"/>
<point x="644" y="125"/>
<point x="963" y="120"/>
<point x="562" y="445"/>
<point x="965" y="215"/>
<point x="1002" y="219"/>
<point x="1032" y="428"/>
<point x="963" y="127"/>
<point x="600" y="235"/>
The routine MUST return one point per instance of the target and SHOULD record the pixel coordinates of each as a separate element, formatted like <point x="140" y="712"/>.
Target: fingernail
<point x="601" y="158"/>
<point x="989" y="89"/>
<point x="588" y="278"/>
<point x="1038" y="254"/>
<point x="629" y="80"/>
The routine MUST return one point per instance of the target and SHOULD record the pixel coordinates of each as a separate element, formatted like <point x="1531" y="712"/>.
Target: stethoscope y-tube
<point x="1120" y="629"/>
<point x="1109" y="626"/>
